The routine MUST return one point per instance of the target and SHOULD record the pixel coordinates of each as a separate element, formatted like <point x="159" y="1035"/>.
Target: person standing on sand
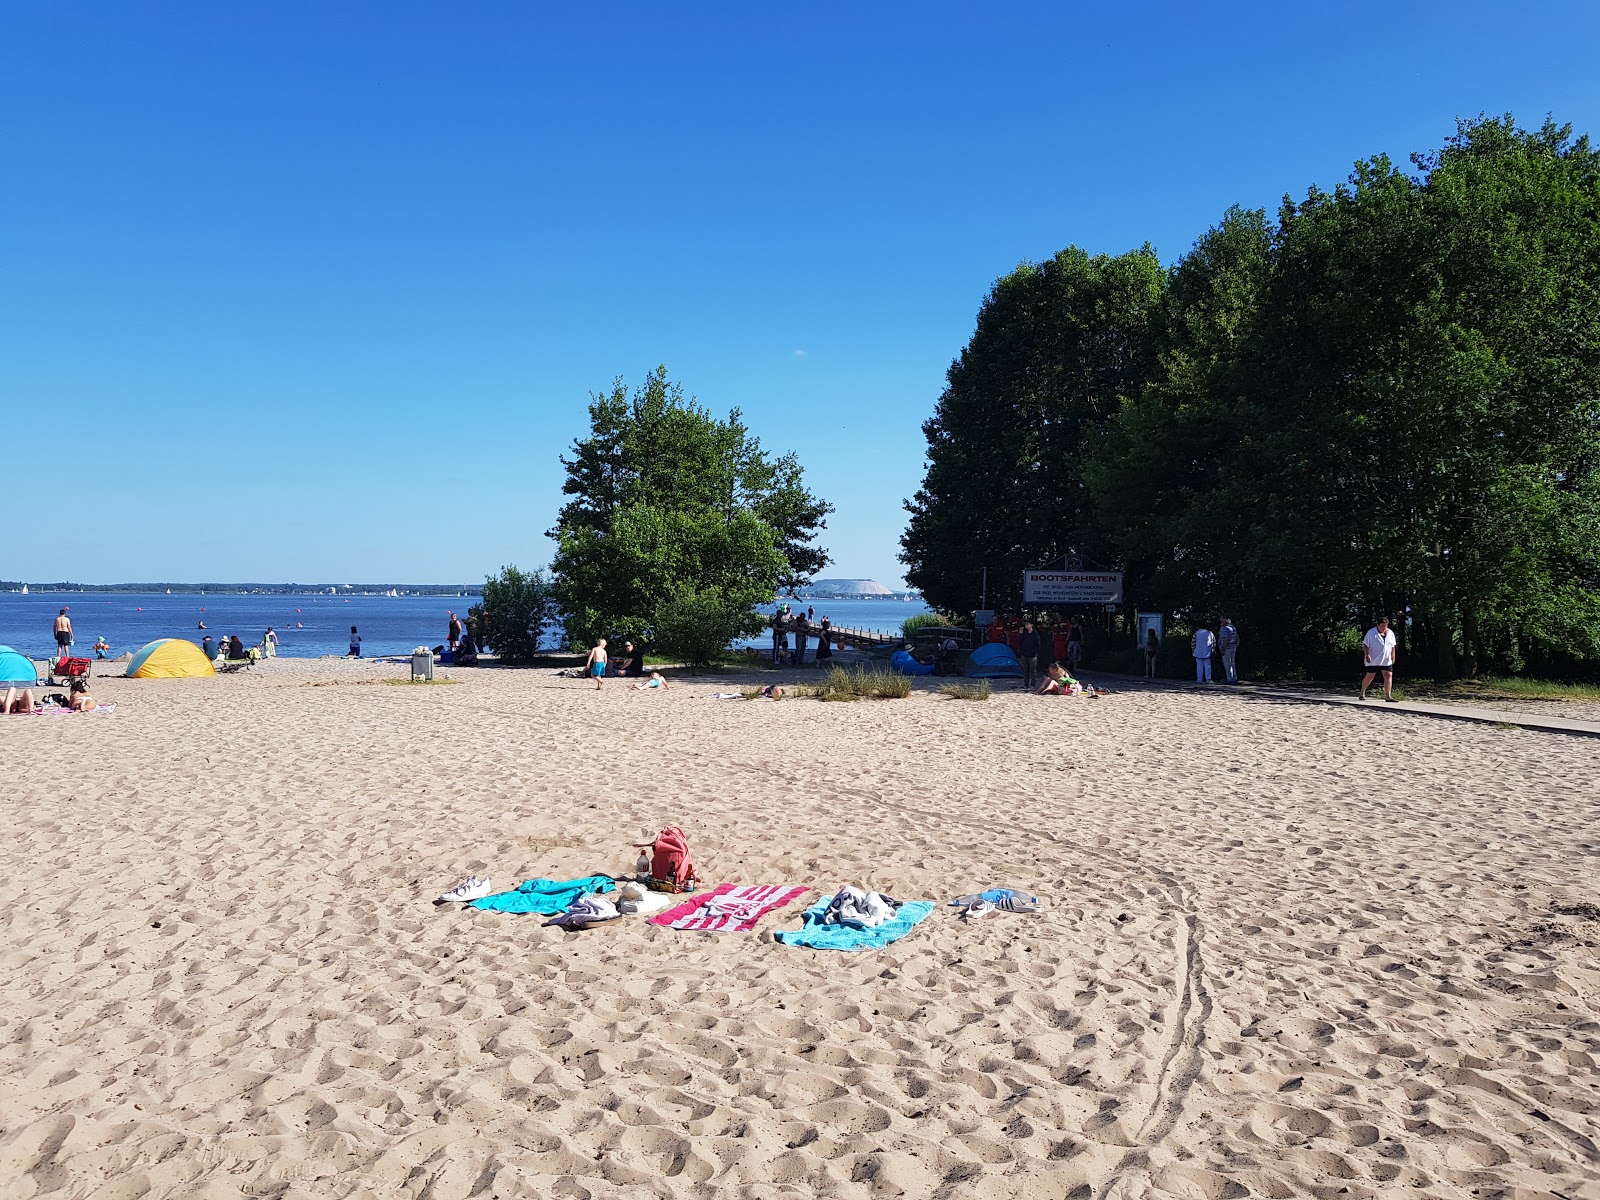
<point x="1074" y="644"/>
<point x="1152" y="648"/>
<point x="355" y="644"/>
<point x="453" y="632"/>
<point x="63" y="633"/>
<point x="1028" y="653"/>
<point x="1201" y="646"/>
<point x="801" y="630"/>
<point x="269" y="643"/>
<point x="595" y="664"/>
<point x="1228" y="647"/>
<point x="1378" y="649"/>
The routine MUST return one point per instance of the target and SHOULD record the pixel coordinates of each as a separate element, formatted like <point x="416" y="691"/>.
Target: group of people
<point x="18" y="701"/>
<point x="1205" y="644"/>
<point x="1029" y="641"/>
<point x="231" y="649"/>
<point x="598" y="665"/>
<point x="792" y="630"/>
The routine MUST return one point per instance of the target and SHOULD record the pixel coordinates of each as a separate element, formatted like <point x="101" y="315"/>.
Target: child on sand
<point x="653" y="683"/>
<point x="595" y="664"/>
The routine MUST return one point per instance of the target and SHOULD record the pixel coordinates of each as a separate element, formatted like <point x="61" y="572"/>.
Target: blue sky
<point x="310" y="291"/>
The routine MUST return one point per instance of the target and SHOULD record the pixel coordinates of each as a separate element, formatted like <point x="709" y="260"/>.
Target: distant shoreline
<point x="250" y="589"/>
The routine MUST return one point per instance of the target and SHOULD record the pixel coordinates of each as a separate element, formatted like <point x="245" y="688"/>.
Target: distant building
<point x="852" y="589"/>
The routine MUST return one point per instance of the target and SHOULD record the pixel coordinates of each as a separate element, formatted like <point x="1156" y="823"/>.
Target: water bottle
<point x="642" y="867"/>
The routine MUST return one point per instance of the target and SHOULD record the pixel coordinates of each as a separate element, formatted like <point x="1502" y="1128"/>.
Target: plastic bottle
<point x="642" y="867"/>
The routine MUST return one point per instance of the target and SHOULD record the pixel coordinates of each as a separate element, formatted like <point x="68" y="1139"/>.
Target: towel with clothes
<point x="729" y="907"/>
<point x="544" y="895"/>
<point x="61" y="710"/>
<point x="823" y="935"/>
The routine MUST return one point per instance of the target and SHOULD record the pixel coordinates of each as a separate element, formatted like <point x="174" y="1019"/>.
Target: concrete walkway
<point x="1376" y="703"/>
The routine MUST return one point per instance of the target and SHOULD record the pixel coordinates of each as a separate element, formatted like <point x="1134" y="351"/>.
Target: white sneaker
<point x="979" y="910"/>
<point x="470" y="888"/>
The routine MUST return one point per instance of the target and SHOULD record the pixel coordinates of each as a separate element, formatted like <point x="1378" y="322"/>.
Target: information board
<point x="1072" y="587"/>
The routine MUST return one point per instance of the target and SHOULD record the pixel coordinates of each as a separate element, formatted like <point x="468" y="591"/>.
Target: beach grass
<point x="967" y="691"/>
<point x="863" y="683"/>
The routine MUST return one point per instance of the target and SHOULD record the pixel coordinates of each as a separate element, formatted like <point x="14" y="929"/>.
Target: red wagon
<point x="64" y="670"/>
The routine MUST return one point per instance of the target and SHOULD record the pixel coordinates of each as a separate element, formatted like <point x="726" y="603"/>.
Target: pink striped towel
<point x="728" y="907"/>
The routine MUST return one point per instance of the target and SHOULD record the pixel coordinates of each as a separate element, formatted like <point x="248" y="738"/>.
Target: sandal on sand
<point x="470" y="888"/>
<point x="977" y="911"/>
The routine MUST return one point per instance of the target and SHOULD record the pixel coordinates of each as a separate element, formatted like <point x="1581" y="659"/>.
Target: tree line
<point x="1387" y="400"/>
<point x="677" y="525"/>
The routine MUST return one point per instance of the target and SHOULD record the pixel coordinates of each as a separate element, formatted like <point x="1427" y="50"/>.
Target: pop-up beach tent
<point x="902" y="663"/>
<point x="992" y="660"/>
<point x="170" y="658"/>
<point x="17" y="670"/>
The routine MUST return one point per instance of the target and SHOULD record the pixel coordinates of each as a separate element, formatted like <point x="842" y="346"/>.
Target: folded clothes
<point x="586" y="910"/>
<point x="728" y="908"/>
<point x="820" y="935"/>
<point x="856" y="906"/>
<point x="544" y="895"/>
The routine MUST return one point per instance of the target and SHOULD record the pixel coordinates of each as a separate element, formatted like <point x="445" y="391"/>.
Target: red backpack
<point x="671" y="869"/>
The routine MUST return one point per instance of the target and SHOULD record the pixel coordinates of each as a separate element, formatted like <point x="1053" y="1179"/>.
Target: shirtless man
<point x="63" y="633"/>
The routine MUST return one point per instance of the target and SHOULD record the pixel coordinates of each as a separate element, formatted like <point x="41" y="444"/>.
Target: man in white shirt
<point x="1202" y="645"/>
<point x="1378" y="650"/>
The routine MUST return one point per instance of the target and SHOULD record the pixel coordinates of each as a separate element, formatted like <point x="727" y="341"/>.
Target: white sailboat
<point x="24" y="589"/>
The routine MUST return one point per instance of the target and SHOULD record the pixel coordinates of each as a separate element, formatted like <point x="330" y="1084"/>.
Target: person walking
<point x="1378" y="649"/>
<point x="780" y="642"/>
<point x="1028" y="653"/>
<point x="1228" y="647"/>
<point x="63" y="634"/>
<point x="453" y="631"/>
<point x="1152" y="647"/>
<point x="1201" y="645"/>
<point x="595" y="664"/>
<point x="1074" y="645"/>
<point x="801" y="630"/>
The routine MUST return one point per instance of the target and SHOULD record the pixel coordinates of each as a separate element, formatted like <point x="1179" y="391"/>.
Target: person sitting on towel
<point x="81" y="701"/>
<point x="466" y="651"/>
<point x="1056" y="681"/>
<point x="236" y="648"/>
<point x="18" y="701"/>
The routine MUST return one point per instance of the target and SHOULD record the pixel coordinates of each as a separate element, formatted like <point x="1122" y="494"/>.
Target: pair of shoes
<point x="977" y="911"/>
<point x="470" y="888"/>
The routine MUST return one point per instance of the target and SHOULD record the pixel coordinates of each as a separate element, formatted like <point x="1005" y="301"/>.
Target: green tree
<point x="676" y="516"/>
<point x="516" y="607"/>
<point x="1059" y="347"/>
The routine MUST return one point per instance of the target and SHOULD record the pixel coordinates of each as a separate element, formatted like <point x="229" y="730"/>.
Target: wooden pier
<point x="861" y="639"/>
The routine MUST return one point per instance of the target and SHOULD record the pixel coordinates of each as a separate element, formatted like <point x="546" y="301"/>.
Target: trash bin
<point x="422" y="664"/>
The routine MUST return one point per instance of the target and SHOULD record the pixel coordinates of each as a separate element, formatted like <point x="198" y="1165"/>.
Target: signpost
<point x="1073" y="587"/>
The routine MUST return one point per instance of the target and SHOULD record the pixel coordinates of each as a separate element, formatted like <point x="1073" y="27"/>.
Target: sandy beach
<point x="1290" y="950"/>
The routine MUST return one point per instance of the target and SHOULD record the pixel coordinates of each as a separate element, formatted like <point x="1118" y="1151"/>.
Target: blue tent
<point x="992" y="660"/>
<point x="17" y="670"/>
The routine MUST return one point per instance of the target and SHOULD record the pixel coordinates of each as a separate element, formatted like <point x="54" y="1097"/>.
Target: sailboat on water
<point x="24" y="589"/>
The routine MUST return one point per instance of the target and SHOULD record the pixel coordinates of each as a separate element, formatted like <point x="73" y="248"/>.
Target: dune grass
<point x="862" y="683"/>
<point x="966" y="691"/>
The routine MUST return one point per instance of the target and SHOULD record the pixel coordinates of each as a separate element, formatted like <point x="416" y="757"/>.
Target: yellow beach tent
<point x="170" y="658"/>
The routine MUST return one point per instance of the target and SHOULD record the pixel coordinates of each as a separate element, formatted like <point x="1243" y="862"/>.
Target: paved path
<point x="1449" y="712"/>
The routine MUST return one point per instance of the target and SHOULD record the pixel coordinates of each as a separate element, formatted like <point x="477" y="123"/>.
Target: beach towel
<point x="819" y="936"/>
<point x="729" y="908"/>
<point x="544" y="895"/>
<point x="61" y="710"/>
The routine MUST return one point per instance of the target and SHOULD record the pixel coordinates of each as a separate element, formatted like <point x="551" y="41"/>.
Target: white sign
<point x="1072" y="587"/>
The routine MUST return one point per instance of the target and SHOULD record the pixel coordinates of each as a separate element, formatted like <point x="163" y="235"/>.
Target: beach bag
<point x="671" y="869"/>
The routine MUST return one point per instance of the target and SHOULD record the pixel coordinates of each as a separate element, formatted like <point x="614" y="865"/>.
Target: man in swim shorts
<point x="63" y="633"/>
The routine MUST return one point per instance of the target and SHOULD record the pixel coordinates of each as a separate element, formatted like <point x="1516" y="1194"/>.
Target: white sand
<point x="1292" y="949"/>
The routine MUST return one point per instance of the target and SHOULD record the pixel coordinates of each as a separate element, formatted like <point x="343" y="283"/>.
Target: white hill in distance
<point x="864" y="589"/>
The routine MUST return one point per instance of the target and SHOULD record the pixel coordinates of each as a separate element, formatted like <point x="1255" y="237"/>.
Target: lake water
<point x="307" y="626"/>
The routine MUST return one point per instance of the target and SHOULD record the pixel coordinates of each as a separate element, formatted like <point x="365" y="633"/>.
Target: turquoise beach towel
<point x="851" y="937"/>
<point x="544" y="895"/>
